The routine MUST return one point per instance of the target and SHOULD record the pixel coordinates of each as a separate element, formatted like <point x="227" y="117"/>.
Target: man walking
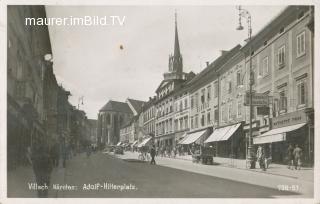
<point x="153" y="154"/>
<point x="297" y="153"/>
<point x="42" y="167"/>
<point x="290" y="156"/>
<point x="261" y="157"/>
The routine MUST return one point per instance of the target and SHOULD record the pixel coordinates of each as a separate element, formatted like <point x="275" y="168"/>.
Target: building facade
<point x="26" y="68"/>
<point x="113" y="117"/>
<point x="173" y="81"/>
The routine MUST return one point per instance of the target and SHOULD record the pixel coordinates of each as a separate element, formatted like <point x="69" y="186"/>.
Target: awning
<point x="134" y="143"/>
<point x="276" y="135"/>
<point x="119" y="143"/>
<point x="192" y="137"/>
<point x="222" y="134"/>
<point x="145" y="142"/>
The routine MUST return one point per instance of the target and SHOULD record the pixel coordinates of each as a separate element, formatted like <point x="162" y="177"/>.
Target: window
<point x="181" y="123"/>
<point x="196" y="122"/>
<point x="301" y="46"/>
<point x="202" y="96"/>
<point x="224" y="113"/>
<point x="186" y="103"/>
<point x="229" y="86"/>
<point x="230" y="111"/>
<point x="191" y="101"/>
<point x="202" y="120"/>
<point x="215" y="89"/>
<point x="253" y="75"/>
<point x="239" y="82"/>
<point x="264" y="69"/>
<point x="186" y="122"/>
<point x="208" y="93"/>
<point x="301" y="86"/>
<point x="176" y="124"/>
<point x="208" y="118"/>
<point x="196" y="100"/>
<point x="281" y="56"/>
<point x="191" y="122"/>
<point x="180" y="106"/>
<point x="283" y="100"/>
<point x="108" y="119"/>
<point x="239" y="107"/>
<point x="216" y="115"/>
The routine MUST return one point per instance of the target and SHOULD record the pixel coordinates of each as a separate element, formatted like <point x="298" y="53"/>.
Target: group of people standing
<point x="294" y="156"/>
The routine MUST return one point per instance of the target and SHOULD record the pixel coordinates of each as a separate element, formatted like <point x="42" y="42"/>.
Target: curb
<point x="227" y="166"/>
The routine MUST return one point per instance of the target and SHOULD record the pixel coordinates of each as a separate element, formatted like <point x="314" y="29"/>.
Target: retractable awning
<point x="192" y="137"/>
<point x="145" y="142"/>
<point x="134" y="143"/>
<point x="222" y="134"/>
<point x="276" y="135"/>
<point x="119" y="143"/>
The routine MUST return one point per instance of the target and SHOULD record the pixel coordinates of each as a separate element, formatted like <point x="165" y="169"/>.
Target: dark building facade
<point x="26" y="68"/>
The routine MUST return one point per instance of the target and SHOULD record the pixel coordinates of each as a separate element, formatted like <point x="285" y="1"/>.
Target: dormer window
<point x="301" y="14"/>
<point x="265" y="43"/>
<point x="281" y="30"/>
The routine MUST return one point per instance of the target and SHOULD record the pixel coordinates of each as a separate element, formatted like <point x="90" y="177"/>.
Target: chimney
<point x="207" y="63"/>
<point x="223" y="52"/>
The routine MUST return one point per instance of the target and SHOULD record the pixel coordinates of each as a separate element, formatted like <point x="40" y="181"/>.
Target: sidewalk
<point x="18" y="179"/>
<point x="276" y="169"/>
<point x="274" y="177"/>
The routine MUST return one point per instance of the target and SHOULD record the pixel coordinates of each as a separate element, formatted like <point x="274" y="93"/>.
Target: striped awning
<point x="192" y="137"/>
<point x="276" y="135"/>
<point x="222" y="134"/>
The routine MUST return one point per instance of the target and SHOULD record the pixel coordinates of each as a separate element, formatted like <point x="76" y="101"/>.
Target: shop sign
<point x="289" y="119"/>
<point x="258" y="99"/>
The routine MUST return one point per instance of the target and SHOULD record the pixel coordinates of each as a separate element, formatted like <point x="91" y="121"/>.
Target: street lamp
<point x="245" y="14"/>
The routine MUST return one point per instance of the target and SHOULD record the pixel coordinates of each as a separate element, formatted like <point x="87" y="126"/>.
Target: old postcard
<point x="163" y="101"/>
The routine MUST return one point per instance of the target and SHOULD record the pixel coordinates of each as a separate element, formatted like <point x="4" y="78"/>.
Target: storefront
<point x="228" y="141"/>
<point x="294" y="128"/>
<point x="166" y="140"/>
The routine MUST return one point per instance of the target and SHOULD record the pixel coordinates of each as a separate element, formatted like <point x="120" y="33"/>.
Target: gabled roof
<point x="216" y="64"/>
<point x="136" y="104"/>
<point x="116" y="106"/>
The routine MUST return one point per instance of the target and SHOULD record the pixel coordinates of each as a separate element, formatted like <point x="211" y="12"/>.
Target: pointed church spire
<point x="176" y="38"/>
<point x="175" y="60"/>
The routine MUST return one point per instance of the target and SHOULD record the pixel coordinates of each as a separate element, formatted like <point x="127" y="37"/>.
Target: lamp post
<point x="245" y="14"/>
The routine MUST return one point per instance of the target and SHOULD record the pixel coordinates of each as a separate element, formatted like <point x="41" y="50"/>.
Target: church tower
<point x="175" y="60"/>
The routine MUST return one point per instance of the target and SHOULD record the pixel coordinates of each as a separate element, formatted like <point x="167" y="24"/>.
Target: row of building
<point x="211" y="108"/>
<point x="38" y="110"/>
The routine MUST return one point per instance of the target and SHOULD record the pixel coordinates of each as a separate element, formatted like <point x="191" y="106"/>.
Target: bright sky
<point x="88" y="60"/>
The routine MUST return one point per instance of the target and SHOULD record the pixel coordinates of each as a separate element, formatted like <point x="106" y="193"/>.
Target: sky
<point x="88" y="60"/>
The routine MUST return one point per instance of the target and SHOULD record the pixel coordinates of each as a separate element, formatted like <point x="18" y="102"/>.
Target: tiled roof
<point x="116" y="106"/>
<point x="137" y="105"/>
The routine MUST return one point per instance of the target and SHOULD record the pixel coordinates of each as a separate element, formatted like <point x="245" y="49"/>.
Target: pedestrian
<point x="290" y="156"/>
<point x="261" y="157"/>
<point x="88" y="151"/>
<point x="29" y="155"/>
<point x="297" y="153"/>
<point x="153" y="154"/>
<point x="42" y="167"/>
